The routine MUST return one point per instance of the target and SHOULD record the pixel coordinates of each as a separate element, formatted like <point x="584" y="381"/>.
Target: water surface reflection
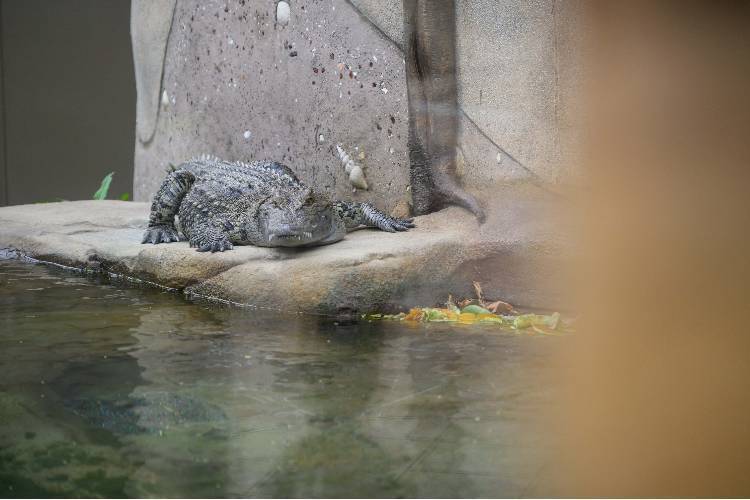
<point x="121" y="391"/>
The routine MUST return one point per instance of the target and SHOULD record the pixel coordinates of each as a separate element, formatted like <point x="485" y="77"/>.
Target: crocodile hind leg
<point x="429" y="32"/>
<point x="355" y="215"/>
<point x="161" y="228"/>
<point x="210" y="236"/>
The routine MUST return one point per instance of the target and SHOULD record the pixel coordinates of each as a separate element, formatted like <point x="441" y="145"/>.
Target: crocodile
<point x="219" y="204"/>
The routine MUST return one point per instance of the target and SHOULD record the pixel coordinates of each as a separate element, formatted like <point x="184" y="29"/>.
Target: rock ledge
<point x="511" y="254"/>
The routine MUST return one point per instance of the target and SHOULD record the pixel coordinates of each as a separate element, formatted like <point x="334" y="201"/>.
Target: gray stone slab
<point x="242" y="87"/>
<point x="515" y="255"/>
<point x="239" y="85"/>
<point x="517" y="72"/>
<point x="150" y="23"/>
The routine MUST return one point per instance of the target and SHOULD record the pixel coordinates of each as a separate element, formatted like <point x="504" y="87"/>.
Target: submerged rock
<point x="149" y="412"/>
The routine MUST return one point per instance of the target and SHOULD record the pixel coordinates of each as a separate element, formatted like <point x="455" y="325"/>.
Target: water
<point x="111" y="389"/>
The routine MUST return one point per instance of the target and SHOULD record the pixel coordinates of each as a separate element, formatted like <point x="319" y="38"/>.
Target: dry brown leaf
<point x="499" y="306"/>
<point x="465" y="302"/>
<point x="478" y="290"/>
<point x="493" y="306"/>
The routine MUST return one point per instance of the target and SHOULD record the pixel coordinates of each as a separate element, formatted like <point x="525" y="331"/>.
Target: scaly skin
<point x="220" y="204"/>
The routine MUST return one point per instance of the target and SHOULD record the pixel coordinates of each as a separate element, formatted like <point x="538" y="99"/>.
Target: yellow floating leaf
<point x="414" y="314"/>
<point x="467" y="317"/>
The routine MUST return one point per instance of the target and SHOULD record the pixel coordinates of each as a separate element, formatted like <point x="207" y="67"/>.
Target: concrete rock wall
<point x="517" y="75"/>
<point x="240" y="85"/>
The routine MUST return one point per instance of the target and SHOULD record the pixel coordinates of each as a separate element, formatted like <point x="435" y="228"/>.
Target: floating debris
<point x="480" y="311"/>
<point x="547" y="324"/>
<point x="355" y="172"/>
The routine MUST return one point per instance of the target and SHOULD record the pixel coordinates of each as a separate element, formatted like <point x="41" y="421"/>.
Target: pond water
<point x="113" y="389"/>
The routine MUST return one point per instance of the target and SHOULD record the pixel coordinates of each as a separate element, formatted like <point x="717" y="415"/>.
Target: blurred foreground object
<point x="659" y="374"/>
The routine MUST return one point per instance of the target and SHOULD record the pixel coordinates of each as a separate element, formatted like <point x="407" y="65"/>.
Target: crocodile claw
<point x="160" y="234"/>
<point x="392" y="224"/>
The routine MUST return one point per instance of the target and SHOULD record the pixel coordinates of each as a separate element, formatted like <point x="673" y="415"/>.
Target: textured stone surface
<point x="514" y="255"/>
<point x="517" y="72"/>
<point x="241" y="86"/>
<point x="150" y="23"/>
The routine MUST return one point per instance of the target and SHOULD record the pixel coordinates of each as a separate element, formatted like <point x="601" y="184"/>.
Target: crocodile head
<point x="299" y="219"/>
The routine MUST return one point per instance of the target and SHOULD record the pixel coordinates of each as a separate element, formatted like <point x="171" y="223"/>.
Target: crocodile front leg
<point x="356" y="215"/>
<point x="166" y="202"/>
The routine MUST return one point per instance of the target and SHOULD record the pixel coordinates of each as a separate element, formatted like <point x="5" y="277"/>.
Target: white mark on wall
<point x="283" y="13"/>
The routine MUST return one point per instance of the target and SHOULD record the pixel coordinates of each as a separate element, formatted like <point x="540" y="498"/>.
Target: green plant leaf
<point x="101" y="193"/>
<point x="496" y="319"/>
<point x="125" y="196"/>
<point x="432" y="314"/>
<point x="475" y="309"/>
